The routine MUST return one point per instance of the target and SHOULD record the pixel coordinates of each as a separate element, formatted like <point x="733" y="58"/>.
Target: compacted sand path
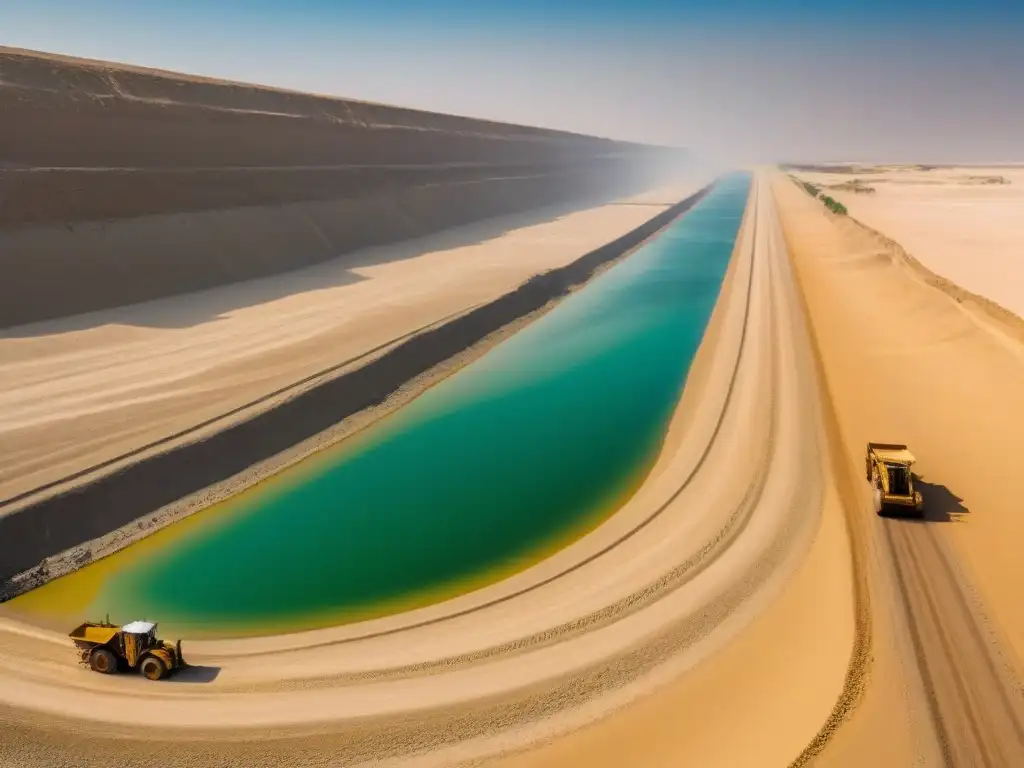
<point x="733" y="552"/>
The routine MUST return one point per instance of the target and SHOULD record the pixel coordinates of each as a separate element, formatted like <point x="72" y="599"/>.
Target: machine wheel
<point x="153" y="668"/>
<point x="103" y="661"/>
<point x="876" y="500"/>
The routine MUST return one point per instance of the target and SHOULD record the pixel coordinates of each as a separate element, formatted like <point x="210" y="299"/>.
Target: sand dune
<point x="965" y="224"/>
<point x="686" y="565"/>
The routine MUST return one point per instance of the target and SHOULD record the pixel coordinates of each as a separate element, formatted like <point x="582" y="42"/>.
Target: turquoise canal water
<point x="517" y="454"/>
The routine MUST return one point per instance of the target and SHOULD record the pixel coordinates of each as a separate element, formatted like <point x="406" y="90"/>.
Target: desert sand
<point x="737" y="533"/>
<point x="905" y="361"/>
<point x="963" y="223"/>
<point x="745" y="607"/>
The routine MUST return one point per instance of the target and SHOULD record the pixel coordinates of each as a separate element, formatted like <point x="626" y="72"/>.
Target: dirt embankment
<point x="60" y="522"/>
<point x="120" y="185"/>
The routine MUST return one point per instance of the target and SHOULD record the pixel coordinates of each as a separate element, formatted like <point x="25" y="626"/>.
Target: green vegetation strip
<point x="815" y="191"/>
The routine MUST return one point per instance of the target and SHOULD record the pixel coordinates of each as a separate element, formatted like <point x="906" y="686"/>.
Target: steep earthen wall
<point x="121" y="185"/>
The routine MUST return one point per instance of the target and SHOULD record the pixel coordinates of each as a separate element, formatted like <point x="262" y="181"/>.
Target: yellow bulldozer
<point x="108" y="648"/>
<point x="888" y="470"/>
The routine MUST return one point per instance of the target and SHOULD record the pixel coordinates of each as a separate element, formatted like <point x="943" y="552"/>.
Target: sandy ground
<point x="734" y="552"/>
<point x="746" y="607"/>
<point x="965" y="224"/>
<point x="85" y="390"/>
<point x="907" y="362"/>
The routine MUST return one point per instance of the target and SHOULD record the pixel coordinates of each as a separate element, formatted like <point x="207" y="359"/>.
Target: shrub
<point x="810" y="189"/>
<point x="834" y="205"/>
<point x="815" y="191"/>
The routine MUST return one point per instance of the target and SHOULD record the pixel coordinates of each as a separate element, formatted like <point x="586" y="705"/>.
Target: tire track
<point x="976" y="710"/>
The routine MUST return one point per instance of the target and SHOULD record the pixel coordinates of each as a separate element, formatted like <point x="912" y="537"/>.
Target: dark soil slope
<point x="120" y="185"/>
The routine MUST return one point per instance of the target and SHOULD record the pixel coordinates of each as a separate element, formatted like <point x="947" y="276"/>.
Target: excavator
<point x="888" y="470"/>
<point x="107" y="648"/>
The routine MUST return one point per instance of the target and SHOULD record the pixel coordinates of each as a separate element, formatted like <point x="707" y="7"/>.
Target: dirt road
<point x="735" y="507"/>
<point x="978" y="715"/>
<point x="905" y="362"/>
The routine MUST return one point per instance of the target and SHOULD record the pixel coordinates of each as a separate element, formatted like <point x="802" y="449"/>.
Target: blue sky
<point x="738" y="80"/>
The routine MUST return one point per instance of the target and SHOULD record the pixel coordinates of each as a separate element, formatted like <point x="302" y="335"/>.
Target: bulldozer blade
<point x="181" y="659"/>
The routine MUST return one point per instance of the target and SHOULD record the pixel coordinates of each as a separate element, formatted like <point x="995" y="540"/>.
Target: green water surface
<point x="535" y="443"/>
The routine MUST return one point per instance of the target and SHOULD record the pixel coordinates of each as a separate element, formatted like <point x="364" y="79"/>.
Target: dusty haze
<point x="899" y="81"/>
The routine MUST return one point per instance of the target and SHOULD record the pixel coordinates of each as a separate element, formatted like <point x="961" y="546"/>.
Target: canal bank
<point x="525" y="449"/>
<point x="89" y="514"/>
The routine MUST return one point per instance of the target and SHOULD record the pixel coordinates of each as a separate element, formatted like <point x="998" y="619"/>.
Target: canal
<point x="516" y="455"/>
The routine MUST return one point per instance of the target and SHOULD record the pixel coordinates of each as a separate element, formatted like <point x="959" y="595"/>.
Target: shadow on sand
<point x="941" y="505"/>
<point x="197" y="674"/>
<point x="191" y="308"/>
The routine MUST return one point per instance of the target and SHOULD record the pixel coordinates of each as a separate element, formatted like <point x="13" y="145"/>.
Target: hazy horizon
<point x="740" y="82"/>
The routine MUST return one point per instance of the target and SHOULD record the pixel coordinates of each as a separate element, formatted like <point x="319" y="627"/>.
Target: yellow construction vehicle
<point x="106" y="648"/>
<point x="892" y="482"/>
